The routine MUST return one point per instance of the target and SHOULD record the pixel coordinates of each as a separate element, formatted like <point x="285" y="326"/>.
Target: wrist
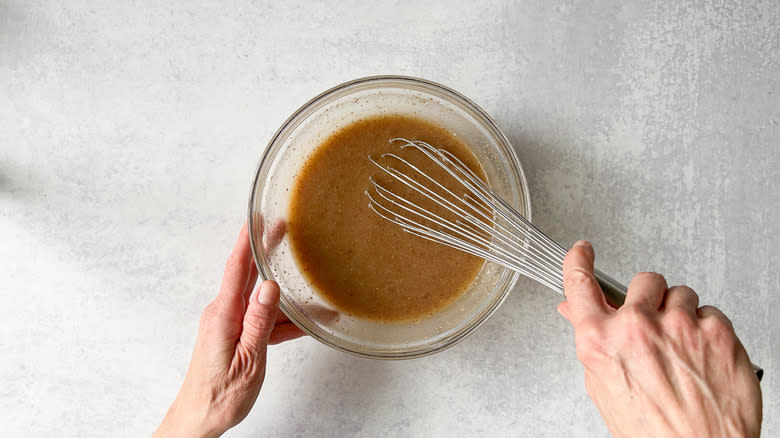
<point x="183" y="422"/>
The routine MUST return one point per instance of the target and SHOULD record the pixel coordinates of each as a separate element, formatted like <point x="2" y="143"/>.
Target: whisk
<point x="486" y="226"/>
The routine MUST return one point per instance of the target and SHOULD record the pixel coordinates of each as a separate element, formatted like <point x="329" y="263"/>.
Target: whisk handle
<point x="615" y="293"/>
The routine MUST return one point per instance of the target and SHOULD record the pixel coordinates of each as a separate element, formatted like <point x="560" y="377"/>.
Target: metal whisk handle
<point x="614" y="291"/>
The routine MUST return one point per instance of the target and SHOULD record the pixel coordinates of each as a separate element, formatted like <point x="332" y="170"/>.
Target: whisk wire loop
<point x="479" y="237"/>
<point x="457" y="169"/>
<point x="485" y="225"/>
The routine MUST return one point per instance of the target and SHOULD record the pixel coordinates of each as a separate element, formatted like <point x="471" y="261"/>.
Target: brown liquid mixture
<point x="359" y="262"/>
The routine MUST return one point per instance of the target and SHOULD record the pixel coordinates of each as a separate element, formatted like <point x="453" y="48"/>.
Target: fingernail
<point x="583" y="243"/>
<point x="267" y="295"/>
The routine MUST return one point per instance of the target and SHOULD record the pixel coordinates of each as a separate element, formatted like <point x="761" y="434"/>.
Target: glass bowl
<point x="269" y="201"/>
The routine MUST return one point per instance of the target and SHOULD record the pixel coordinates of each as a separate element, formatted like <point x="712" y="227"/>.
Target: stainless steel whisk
<point x="486" y="225"/>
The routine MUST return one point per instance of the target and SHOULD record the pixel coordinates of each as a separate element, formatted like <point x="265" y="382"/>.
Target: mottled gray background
<point x="130" y="131"/>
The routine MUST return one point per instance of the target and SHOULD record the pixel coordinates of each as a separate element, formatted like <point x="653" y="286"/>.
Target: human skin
<point x="659" y="366"/>
<point x="228" y="364"/>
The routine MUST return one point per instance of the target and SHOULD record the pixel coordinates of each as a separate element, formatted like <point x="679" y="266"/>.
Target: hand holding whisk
<point x="465" y="214"/>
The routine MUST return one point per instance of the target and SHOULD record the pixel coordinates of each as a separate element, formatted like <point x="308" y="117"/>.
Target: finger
<point x="237" y="270"/>
<point x="563" y="309"/>
<point x="583" y="293"/>
<point x="250" y="283"/>
<point x="322" y="314"/>
<point x="274" y="236"/>
<point x="646" y="290"/>
<point x="681" y="296"/>
<point x="285" y="332"/>
<point x="259" y="221"/>
<point x="260" y="317"/>
<point x="705" y="312"/>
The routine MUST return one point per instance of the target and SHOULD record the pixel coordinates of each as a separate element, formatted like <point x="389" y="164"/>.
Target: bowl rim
<point x="269" y="153"/>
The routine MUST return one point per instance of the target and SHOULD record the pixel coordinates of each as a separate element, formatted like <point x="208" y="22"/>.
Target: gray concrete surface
<point x="129" y="133"/>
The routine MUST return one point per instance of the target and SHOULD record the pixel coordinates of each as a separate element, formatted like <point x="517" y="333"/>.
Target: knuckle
<point x="692" y="293"/>
<point x="713" y="318"/>
<point x="209" y="313"/>
<point x="683" y="290"/>
<point x="577" y="278"/>
<point x="686" y="288"/>
<point x="263" y="319"/>
<point x="708" y="311"/>
<point x="722" y="337"/>
<point x="717" y="327"/>
<point x="260" y="325"/>
<point x="649" y="276"/>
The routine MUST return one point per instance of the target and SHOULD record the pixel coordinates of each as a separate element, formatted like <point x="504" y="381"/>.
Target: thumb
<point x="260" y="317"/>
<point x="584" y="299"/>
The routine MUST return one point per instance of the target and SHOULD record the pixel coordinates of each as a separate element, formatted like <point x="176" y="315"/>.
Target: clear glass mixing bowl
<point x="288" y="150"/>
